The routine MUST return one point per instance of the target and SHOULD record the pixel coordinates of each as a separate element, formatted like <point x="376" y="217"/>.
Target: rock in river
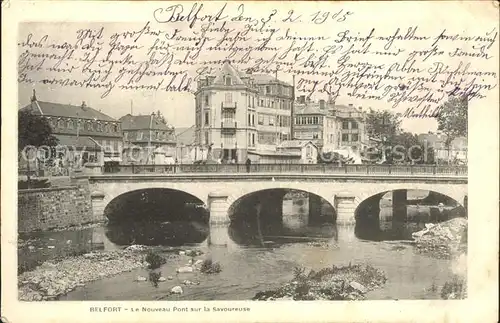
<point x="358" y="286"/>
<point x="176" y="290"/>
<point x="140" y="279"/>
<point x="185" y="269"/>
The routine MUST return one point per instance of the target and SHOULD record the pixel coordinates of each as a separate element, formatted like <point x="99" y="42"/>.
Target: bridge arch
<point x="243" y="191"/>
<point x="151" y="196"/>
<point x="457" y="193"/>
<point x="156" y="216"/>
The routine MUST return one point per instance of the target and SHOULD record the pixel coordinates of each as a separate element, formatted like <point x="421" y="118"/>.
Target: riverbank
<point x="350" y="282"/>
<point x="446" y="240"/>
<point x="53" y="279"/>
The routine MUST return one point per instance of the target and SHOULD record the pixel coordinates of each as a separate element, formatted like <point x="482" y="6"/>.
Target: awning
<point x="112" y="159"/>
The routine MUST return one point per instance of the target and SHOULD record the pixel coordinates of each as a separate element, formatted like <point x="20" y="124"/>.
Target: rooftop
<point x="130" y="122"/>
<point x="294" y="143"/>
<point x="65" y="110"/>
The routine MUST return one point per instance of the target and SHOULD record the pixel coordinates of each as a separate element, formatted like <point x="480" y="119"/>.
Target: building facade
<point x="85" y="135"/>
<point x="455" y="153"/>
<point x="238" y="112"/>
<point x="147" y="140"/>
<point x="331" y="127"/>
<point x="313" y="122"/>
<point x="287" y="152"/>
<point x="350" y="126"/>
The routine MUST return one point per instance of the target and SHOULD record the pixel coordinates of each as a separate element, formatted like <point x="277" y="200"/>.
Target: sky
<point x="178" y="108"/>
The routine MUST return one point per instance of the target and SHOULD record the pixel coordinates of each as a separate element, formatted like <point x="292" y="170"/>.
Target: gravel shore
<point x="52" y="279"/>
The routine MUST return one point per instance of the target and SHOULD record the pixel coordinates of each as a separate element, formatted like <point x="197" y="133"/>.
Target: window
<point x="115" y="146"/>
<point x="261" y="119"/>
<point x="308" y="151"/>
<point x="207" y="100"/>
<point x="315" y="135"/>
<point x="249" y="120"/>
<point x="354" y="125"/>
<point x="207" y="119"/>
<point x="253" y="139"/>
<point x="345" y="137"/>
<point x="70" y="124"/>
<point x="229" y="98"/>
<point x="253" y="119"/>
<point x="139" y="135"/>
<point x="354" y="137"/>
<point x="61" y="124"/>
<point x="268" y="89"/>
<point x="115" y="128"/>
<point x="206" y="137"/>
<point x="228" y="80"/>
<point x="345" y="125"/>
<point x="261" y="102"/>
<point x="125" y="135"/>
<point x="271" y="121"/>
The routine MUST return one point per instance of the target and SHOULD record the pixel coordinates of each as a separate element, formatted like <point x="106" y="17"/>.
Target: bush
<point x="209" y="267"/>
<point x="154" y="278"/>
<point x="154" y="260"/>
<point x="454" y="289"/>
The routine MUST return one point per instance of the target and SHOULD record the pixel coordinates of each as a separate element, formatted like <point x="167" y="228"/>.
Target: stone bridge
<point x="221" y="192"/>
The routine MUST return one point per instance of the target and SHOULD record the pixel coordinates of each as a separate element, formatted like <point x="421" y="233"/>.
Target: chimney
<point x="33" y="98"/>
<point x="360" y="109"/>
<point x="301" y="99"/>
<point x="350" y="104"/>
<point x="322" y="104"/>
<point x="84" y="105"/>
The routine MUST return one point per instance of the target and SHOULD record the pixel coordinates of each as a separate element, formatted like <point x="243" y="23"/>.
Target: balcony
<point x="228" y="106"/>
<point x="228" y="125"/>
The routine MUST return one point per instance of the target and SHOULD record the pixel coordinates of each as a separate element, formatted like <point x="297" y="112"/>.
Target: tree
<point x="383" y="124"/>
<point x="34" y="131"/>
<point x="452" y="119"/>
<point x="407" y="148"/>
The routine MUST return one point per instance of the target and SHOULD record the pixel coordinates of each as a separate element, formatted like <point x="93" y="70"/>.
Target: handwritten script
<point x="329" y="55"/>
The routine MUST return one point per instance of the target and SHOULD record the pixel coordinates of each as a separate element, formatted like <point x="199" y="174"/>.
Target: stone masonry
<point x="58" y="207"/>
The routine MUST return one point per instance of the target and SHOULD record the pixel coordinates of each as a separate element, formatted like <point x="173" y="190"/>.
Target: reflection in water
<point x="386" y="225"/>
<point x="294" y="225"/>
<point x="156" y="217"/>
<point x="165" y="233"/>
<point x="42" y="246"/>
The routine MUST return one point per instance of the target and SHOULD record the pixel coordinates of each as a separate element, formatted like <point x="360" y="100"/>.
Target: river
<point x="252" y="262"/>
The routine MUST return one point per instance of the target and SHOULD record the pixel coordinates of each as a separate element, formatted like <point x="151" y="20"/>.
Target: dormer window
<point x="228" y="80"/>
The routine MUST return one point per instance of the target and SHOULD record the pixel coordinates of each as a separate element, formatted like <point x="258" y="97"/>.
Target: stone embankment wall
<point x="58" y="207"/>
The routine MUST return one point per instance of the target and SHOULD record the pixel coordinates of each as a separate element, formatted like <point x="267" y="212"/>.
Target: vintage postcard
<point x="248" y="161"/>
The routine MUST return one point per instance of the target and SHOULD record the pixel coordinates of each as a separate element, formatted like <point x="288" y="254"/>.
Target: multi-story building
<point x="329" y="126"/>
<point x="238" y="112"/>
<point x="85" y="134"/>
<point x="455" y="153"/>
<point x="147" y="140"/>
<point x="313" y="122"/>
<point x="350" y="126"/>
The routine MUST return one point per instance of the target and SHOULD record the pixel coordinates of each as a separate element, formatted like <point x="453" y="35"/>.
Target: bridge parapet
<point x="295" y="168"/>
